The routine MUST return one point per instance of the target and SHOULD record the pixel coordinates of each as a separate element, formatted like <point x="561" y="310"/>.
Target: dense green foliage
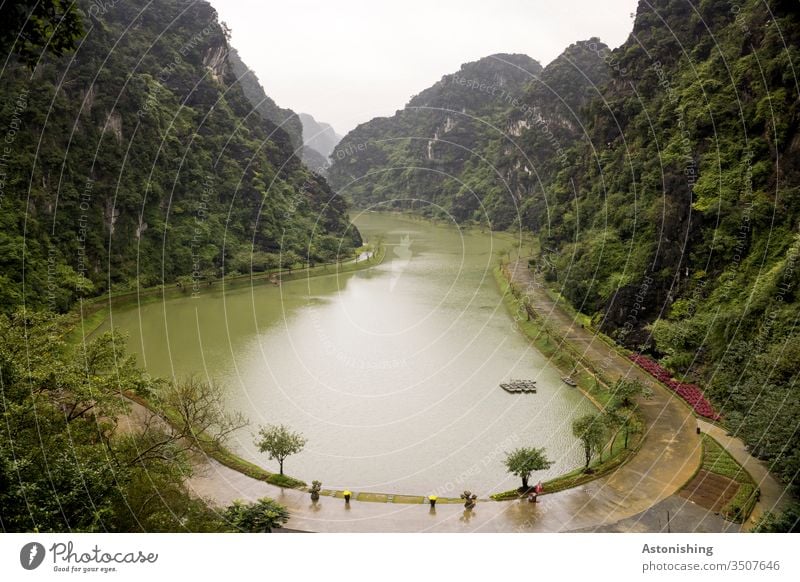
<point x="32" y="28"/>
<point x="260" y="517"/>
<point x="663" y="181"/>
<point x="682" y="237"/>
<point x="138" y="160"/>
<point x="590" y="429"/>
<point x="787" y="521"/>
<point x="524" y="461"/>
<point x="279" y="442"/>
<point x="65" y="462"/>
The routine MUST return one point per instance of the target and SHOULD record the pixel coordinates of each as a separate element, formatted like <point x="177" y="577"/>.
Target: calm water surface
<point x="391" y="373"/>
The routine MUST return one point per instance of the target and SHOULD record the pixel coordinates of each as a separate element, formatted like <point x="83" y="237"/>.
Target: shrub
<point x="691" y="393"/>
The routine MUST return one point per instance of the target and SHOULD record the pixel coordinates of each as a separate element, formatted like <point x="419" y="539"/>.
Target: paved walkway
<point x="673" y="515"/>
<point x="668" y="458"/>
<point x="773" y="495"/>
<point x="596" y="351"/>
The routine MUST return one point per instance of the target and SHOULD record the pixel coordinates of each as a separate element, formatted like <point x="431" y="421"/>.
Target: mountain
<point x="675" y="224"/>
<point x="662" y="179"/>
<point x="139" y="160"/>
<point x="286" y="119"/>
<point x="431" y="156"/>
<point x="319" y="136"/>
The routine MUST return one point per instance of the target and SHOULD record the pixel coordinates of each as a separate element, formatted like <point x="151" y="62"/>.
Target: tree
<point x="64" y="465"/>
<point x="620" y="414"/>
<point x="196" y="410"/>
<point x="625" y="393"/>
<point x="259" y="517"/>
<point x="591" y="430"/>
<point x="32" y="27"/>
<point x="621" y="420"/>
<point x="524" y="461"/>
<point x="787" y="521"/>
<point x="279" y="442"/>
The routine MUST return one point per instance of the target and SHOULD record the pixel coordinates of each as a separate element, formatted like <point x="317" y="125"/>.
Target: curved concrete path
<point x="773" y="495"/>
<point x="668" y="458"/>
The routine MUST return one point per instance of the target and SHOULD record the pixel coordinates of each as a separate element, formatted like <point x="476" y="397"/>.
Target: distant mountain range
<point x="312" y="140"/>
<point x="319" y="136"/>
<point x="469" y="145"/>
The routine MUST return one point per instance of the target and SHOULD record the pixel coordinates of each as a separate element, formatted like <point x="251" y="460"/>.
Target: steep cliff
<point x="419" y="158"/>
<point x="140" y="160"/>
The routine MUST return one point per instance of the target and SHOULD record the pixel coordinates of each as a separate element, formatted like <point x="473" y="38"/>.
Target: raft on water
<point x="519" y="386"/>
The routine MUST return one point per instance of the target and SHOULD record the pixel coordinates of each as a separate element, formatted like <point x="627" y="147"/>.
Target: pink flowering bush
<point x="691" y="393"/>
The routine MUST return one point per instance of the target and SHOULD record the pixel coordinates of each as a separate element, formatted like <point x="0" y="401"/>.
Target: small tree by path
<point x="279" y="442"/>
<point x="621" y="420"/>
<point x="524" y="461"/>
<point x="620" y="414"/>
<point x="591" y="430"/>
<point x="625" y="392"/>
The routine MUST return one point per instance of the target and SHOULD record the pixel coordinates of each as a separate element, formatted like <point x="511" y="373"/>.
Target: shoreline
<point x="249" y="469"/>
<point x="97" y="310"/>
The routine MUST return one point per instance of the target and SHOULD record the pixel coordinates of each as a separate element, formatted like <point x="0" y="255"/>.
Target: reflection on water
<point x="391" y="373"/>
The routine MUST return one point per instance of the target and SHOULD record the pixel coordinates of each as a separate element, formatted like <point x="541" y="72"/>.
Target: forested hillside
<point x="663" y="181"/>
<point x="138" y="159"/>
<point x="131" y="156"/>
<point x="677" y="227"/>
<point x="420" y="158"/>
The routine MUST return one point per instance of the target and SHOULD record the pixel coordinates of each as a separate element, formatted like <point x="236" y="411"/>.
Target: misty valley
<point x="539" y="297"/>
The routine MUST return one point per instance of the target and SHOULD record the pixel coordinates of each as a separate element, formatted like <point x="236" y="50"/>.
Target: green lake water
<point x="391" y="373"/>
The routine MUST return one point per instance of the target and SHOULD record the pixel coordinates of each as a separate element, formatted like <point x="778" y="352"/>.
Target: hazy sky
<point x="347" y="61"/>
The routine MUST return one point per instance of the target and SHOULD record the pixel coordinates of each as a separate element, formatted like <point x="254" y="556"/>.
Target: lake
<point x="392" y="373"/>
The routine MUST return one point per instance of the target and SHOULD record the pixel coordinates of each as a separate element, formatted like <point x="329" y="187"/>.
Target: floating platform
<point x="568" y="380"/>
<point x="519" y="386"/>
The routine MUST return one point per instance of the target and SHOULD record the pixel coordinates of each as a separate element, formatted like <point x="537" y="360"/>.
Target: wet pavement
<point x="773" y="495"/>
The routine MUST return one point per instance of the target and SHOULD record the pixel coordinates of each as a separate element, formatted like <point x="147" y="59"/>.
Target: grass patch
<point x="717" y="460"/>
<point x="372" y="497"/>
<point x="449" y="500"/>
<point x="408" y="499"/>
